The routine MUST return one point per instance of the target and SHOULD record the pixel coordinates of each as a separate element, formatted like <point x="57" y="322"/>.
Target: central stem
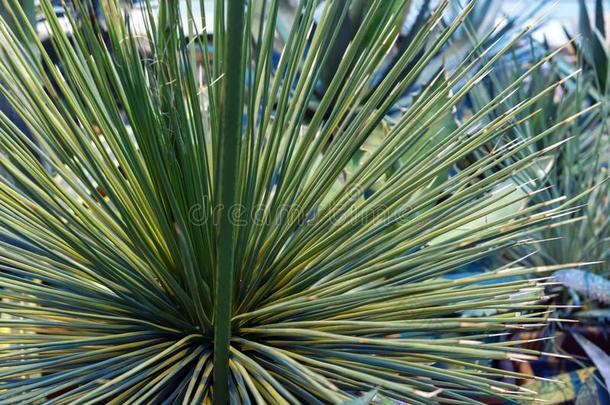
<point x="228" y="148"/>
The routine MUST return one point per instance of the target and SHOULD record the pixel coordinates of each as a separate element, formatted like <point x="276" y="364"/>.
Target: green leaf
<point x="507" y="201"/>
<point x="365" y="399"/>
<point x="600" y="23"/>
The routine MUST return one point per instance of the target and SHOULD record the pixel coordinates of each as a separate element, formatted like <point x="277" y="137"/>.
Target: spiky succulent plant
<point x="579" y="168"/>
<point x="176" y="228"/>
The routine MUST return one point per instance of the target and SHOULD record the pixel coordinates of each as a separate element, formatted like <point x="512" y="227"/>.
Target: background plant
<point x="578" y="170"/>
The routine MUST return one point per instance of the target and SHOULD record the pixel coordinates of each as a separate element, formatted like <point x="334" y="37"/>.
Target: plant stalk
<point x="228" y="154"/>
<point x="28" y="7"/>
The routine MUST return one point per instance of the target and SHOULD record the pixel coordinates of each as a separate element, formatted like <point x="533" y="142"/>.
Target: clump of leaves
<point x="175" y="233"/>
<point x="578" y="169"/>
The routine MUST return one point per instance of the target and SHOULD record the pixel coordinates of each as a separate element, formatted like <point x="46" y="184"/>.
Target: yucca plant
<point x="179" y="233"/>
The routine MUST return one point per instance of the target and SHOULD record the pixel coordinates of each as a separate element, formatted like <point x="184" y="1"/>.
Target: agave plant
<point x="578" y="169"/>
<point x="179" y="233"/>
